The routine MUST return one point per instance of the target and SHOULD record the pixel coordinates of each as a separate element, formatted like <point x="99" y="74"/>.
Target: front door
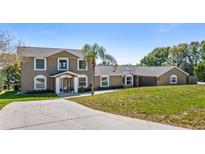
<point x="66" y="85"/>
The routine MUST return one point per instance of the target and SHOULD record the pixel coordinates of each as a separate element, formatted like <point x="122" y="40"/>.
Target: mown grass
<point x="182" y="106"/>
<point x="7" y="97"/>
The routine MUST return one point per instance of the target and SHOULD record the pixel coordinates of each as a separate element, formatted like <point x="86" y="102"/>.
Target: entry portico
<point x="65" y="82"/>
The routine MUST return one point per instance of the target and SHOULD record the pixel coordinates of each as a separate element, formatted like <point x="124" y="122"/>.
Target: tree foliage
<point x="9" y="61"/>
<point x="92" y="53"/>
<point x="157" y="57"/>
<point x="10" y="65"/>
<point x="202" y="50"/>
<point x="185" y="56"/>
<point x="199" y="71"/>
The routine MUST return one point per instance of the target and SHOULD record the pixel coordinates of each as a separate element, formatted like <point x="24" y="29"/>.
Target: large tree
<point x="157" y="57"/>
<point x="185" y="56"/>
<point x="9" y="61"/>
<point x="2" y="79"/>
<point x="193" y="57"/>
<point x="202" y="50"/>
<point x="199" y="71"/>
<point x="10" y="68"/>
<point x="92" y="53"/>
<point x="178" y="54"/>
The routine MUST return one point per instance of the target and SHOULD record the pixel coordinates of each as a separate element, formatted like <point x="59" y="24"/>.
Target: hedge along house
<point x="65" y="71"/>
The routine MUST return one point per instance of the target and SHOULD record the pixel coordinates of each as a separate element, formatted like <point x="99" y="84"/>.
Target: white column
<point x="75" y="84"/>
<point x="57" y="85"/>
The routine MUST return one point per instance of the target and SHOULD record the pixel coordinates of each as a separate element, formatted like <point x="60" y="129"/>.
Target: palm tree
<point x="92" y="53"/>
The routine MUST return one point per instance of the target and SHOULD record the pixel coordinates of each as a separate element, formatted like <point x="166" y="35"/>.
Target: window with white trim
<point x="40" y="82"/>
<point x="82" y="64"/>
<point x="104" y="80"/>
<point x="82" y="81"/>
<point x="129" y="80"/>
<point x="62" y="63"/>
<point x="173" y="79"/>
<point x="39" y="63"/>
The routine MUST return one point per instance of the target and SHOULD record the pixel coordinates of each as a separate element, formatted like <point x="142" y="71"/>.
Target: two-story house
<point x="64" y="70"/>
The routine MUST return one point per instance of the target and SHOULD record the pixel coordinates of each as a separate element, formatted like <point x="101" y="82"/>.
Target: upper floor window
<point x="173" y="79"/>
<point x="62" y="63"/>
<point x="104" y="81"/>
<point x="82" y="64"/>
<point x="40" y="64"/>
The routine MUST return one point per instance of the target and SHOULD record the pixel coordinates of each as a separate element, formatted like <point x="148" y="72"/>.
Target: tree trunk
<point x="93" y="78"/>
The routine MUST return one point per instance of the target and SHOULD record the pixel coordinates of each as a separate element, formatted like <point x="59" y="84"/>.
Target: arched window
<point x="83" y="81"/>
<point x="40" y="82"/>
<point x="173" y="79"/>
<point x="129" y="79"/>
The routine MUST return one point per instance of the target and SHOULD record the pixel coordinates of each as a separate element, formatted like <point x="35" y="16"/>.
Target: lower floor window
<point x="104" y="81"/>
<point x="129" y="80"/>
<point x="173" y="79"/>
<point x="82" y="81"/>
<point x="40" y="82"/>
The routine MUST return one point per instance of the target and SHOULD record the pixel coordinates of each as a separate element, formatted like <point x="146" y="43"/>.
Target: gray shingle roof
<point x="152" y="71"/>
<point x="111" y="70"/>
<point x="138" y="70"/>
<point x="44" y="52"/>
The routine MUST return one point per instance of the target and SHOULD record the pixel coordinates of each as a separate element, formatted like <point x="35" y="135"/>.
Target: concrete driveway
<point x="62" y="114"/>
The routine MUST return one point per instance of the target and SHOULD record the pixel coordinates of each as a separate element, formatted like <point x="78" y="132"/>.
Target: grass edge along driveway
<point x="7" y="97"/>
<point x="180" y="105"/>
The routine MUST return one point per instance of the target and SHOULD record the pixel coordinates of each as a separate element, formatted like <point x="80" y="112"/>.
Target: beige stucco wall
<point x="97" y="81"/>
<point x="113" y="81"/>
<point x="28" y="72"/>
<point x="165" y="78"/>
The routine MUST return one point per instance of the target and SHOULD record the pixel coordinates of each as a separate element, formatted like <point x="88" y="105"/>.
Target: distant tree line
<point x="189" y="57"/>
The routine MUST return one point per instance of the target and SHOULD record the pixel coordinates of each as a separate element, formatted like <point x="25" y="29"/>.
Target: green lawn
<point x="7" y="97"/>
<point x="176" y="105"/>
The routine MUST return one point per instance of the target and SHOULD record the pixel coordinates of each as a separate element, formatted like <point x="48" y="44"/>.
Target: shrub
<point x="110" y="87"/>
<point x="4" y="87"/>
<point x="16" y="87"/>
<point x="40" y="91"/>
<point x="82" y="90"/>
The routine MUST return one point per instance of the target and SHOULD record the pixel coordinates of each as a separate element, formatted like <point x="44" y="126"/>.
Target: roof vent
<point x="114" y="69"/>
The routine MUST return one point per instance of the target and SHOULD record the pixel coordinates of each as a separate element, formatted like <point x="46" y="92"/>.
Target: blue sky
<point x="127" y="42"/>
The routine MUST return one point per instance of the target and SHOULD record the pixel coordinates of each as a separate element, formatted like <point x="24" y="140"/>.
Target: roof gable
<point x="175" y="67"/>
<point x="62" y="54"/>
<point x="45" y="52"/>
<point x="152" y="70"/>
